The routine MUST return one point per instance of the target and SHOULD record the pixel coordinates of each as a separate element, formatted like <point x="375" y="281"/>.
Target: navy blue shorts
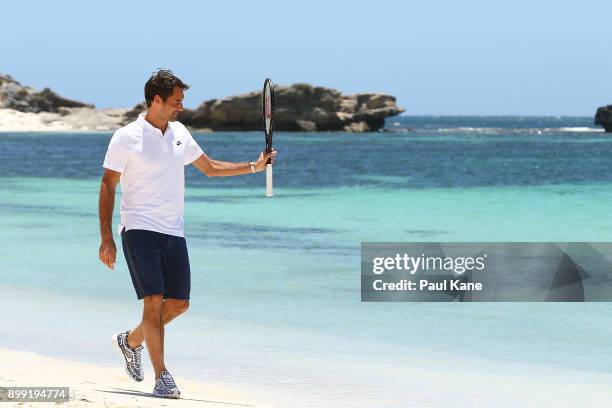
<point x="158" y="263"/>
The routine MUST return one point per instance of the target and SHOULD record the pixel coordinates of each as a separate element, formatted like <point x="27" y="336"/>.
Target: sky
<point x="437" y="57"/>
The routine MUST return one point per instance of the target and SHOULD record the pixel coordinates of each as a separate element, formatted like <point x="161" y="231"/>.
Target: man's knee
<point x="177" y="306"/>
<point x="153" y="304"/>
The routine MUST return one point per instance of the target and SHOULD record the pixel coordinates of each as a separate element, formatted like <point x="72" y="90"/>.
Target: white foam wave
<point x="578" y="129"/>
<point x="499" y="130"/>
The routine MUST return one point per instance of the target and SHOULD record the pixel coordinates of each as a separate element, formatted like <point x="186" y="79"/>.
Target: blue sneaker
<point x="133" y="362"/>
<point x="165" y="387"/>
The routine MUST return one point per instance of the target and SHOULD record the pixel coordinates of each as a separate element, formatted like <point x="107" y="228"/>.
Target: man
<point x="148" y="157"/>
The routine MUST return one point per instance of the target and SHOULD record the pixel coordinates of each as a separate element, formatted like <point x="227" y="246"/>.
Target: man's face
<point x="173" y="105"/>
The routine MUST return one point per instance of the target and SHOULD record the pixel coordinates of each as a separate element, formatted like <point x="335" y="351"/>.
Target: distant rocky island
<point x="603" y="117"/>
<point x="23" y="108"/>
<point x="299" y="107"/>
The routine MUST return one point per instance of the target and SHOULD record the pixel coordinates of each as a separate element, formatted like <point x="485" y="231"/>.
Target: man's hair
<point x="162" y="83"/>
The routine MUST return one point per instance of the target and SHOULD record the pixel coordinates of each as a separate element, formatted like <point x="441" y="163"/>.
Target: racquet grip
<point x="269" y="192"/>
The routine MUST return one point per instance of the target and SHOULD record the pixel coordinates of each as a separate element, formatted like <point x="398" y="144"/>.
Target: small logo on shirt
<point x="178" y="143"/>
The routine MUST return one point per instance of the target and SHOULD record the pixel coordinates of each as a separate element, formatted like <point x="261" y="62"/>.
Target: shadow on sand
<point x="149" y="395"/>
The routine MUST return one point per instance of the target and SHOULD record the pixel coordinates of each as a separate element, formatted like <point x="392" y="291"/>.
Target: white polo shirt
<point x="152" y="167"/>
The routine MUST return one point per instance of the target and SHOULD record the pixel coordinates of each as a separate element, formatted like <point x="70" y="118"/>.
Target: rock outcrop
<point x="15" y="96"/>
<point x="300" y="107"/>
<point x="603" y="117"/>
<point x="133" y="113"/>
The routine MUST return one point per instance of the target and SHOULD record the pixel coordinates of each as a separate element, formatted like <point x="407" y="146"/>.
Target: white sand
<point x="97" y="386"/>
<point x="71" y="119"/>
<point x="425" y="384"/>
<point x="412" y="380"/>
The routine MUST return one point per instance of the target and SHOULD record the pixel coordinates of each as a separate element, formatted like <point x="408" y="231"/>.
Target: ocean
<point x="275" y="300"/>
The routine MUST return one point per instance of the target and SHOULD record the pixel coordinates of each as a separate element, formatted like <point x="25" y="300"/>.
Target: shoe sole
<point x="118" y="348"/>
<point x="170" y="396"/>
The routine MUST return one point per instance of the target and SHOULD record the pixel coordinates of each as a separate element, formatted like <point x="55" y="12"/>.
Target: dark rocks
<point x="13" y="95"/>
<point x="133" y="113"/>
<point x="603" y="117"/>
<point x="300" y="107"/>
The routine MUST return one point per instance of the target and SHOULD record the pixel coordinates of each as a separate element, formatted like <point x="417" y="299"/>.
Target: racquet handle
<point x="269" y="192"/>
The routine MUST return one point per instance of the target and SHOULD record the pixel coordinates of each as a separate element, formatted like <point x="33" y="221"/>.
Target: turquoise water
<point x="275" y="282"/>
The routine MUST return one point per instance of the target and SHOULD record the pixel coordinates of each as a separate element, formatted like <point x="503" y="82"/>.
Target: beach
<point x="92" y="385"/>
<point x="72" y="119"/>
<point x="440" y="233"/>
<point x="428" y="384"/>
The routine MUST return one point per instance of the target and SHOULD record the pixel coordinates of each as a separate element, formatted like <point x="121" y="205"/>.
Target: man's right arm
<point x="106" y="204"/>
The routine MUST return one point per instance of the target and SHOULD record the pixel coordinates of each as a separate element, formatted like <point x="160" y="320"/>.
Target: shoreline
<point x="93" y="385"/>
<point x="337" y="374"/>
<point x="427" y="384"/>
<point x="91" y="120"/>
<point x="69" y="120"/>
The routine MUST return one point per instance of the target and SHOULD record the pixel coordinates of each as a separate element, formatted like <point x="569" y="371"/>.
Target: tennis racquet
<point x="268" y="111"/>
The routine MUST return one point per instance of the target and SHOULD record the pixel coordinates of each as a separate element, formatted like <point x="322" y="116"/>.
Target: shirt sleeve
<point x="117" y="154"/>
<point x="192" y="150"/>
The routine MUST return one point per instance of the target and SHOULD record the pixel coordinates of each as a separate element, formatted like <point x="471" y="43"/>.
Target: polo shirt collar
<point x="148" y="126"/>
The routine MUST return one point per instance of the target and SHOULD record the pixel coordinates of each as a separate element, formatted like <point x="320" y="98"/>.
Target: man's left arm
<point x="218" y="168"/>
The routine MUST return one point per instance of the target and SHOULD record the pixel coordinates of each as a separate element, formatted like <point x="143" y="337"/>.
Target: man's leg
<point x="152" y="330"/>
<point x="156" y="313"/>
<point x="170" y="309"/>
